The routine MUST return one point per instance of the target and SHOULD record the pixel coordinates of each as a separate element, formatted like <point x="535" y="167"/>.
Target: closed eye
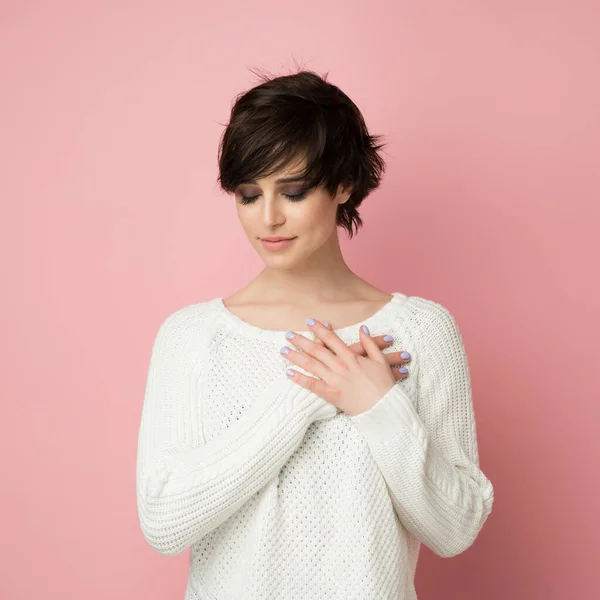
<point x="292" y="197"/>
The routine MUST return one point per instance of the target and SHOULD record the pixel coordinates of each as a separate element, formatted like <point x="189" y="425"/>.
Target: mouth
<point x="276" y="242"/>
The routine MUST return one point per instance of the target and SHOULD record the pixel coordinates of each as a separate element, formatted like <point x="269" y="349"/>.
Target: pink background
<point x="110" y="114"/>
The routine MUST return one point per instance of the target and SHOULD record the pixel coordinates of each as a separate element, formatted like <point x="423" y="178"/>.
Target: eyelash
<point x="292" y="197"/>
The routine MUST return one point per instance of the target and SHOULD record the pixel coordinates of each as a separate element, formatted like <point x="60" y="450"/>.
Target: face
<point x="281" y="206"/>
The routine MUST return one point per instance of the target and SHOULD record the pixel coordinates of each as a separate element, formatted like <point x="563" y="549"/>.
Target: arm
<point x="429" y="458"/>
<point x="185" y="487"/>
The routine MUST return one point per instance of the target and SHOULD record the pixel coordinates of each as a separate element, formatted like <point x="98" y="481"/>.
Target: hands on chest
<point x="351" y="377"/>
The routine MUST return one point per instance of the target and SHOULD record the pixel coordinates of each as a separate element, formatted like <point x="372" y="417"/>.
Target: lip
<point x="279" y="244"/>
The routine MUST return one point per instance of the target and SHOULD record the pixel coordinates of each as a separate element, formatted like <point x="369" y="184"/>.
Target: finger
<point x="321" y="360"/>
<point x="373" y="351"/>
<point x="318" y="340"/>
<point x="357" y="347"/>
<point x="396" y="372"/>
<point x="330" y="339"/>
<point x="395" y="358"/>
<point x="310" y="364"/>
<point x="318" y="386"/>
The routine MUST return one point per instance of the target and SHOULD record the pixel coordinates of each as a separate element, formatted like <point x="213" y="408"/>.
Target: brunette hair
<point x="302" y="116"/>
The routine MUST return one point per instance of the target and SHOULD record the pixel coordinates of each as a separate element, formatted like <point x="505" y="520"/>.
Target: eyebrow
<point x="282" y="180"/>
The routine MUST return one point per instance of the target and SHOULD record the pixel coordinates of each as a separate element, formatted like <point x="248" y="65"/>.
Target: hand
<point x="351" y="382"/>
<point x="394" y="359"/>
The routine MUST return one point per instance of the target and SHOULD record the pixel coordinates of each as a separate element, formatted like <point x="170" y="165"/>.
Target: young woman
<point x="306" y="435"/>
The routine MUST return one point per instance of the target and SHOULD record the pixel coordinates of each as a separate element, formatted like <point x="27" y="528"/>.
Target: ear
<point x="344" y="192"/>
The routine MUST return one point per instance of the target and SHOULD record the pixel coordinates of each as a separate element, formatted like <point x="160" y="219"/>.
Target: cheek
<point x="324" y="218"/>
<point x="315" y="227"/>
<point x="248" y="220"/>
<point x="318" y="231"/>
<point x="317" y="215"/>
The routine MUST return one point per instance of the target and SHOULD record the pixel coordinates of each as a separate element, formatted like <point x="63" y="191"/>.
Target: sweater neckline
<point x="396" y="300"/>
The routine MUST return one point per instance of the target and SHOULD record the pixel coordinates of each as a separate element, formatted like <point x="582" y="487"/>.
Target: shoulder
<point x="437" y="339"/>
<point x="184" y="321"/>
<point x="425" y="309"/>
<point x="430" y="321"/>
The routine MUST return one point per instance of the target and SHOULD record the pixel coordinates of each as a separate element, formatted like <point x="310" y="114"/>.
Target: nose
<point x="272" y="212"/>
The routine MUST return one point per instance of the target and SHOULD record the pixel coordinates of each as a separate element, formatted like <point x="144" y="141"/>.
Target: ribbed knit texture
<point x="277" y="494"/>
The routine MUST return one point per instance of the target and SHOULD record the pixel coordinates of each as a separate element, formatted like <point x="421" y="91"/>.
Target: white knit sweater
<point x="277" y="494"/>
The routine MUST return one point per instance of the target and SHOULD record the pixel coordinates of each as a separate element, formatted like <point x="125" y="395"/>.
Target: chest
<point x="284" y="317"/>
<point x="236" y="372"/>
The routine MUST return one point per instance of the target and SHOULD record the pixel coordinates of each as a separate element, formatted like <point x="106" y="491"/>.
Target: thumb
<point x="371" y="348"/>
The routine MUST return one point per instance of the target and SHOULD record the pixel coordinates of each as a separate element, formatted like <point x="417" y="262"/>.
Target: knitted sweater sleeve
<point x="186" y="488"/>
<point x="429" y="457"/>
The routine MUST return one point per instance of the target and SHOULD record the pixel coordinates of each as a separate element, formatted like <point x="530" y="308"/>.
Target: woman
<point x="295" y="453"/>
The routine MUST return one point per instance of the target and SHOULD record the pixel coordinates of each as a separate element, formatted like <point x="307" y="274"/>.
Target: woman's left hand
<point x="351" y="382"/>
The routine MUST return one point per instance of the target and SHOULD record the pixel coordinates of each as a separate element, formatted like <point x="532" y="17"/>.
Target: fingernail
<point x="403" y="370"/>
<point x="387" y="338"/>
<point x="310" y="321"/>
<point x="290" y="372"/>
<point x="365" y="329"/>
<point x="326" y="323"/>
<point x="405" y="355"/>
<point x="289" y="335"/>
<point x="285" y="350"/>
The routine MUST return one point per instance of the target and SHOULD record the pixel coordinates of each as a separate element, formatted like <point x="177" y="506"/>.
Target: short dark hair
<point x="302" y="116"/>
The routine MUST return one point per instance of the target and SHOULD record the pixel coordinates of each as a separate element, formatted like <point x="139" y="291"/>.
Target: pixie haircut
<point x="297" y="118"/>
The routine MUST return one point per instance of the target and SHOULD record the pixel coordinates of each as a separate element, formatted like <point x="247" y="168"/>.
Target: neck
<point x="323" y="276"/>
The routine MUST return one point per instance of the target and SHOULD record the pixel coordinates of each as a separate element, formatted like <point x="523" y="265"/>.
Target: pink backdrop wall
<point x="110" y="116"/>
